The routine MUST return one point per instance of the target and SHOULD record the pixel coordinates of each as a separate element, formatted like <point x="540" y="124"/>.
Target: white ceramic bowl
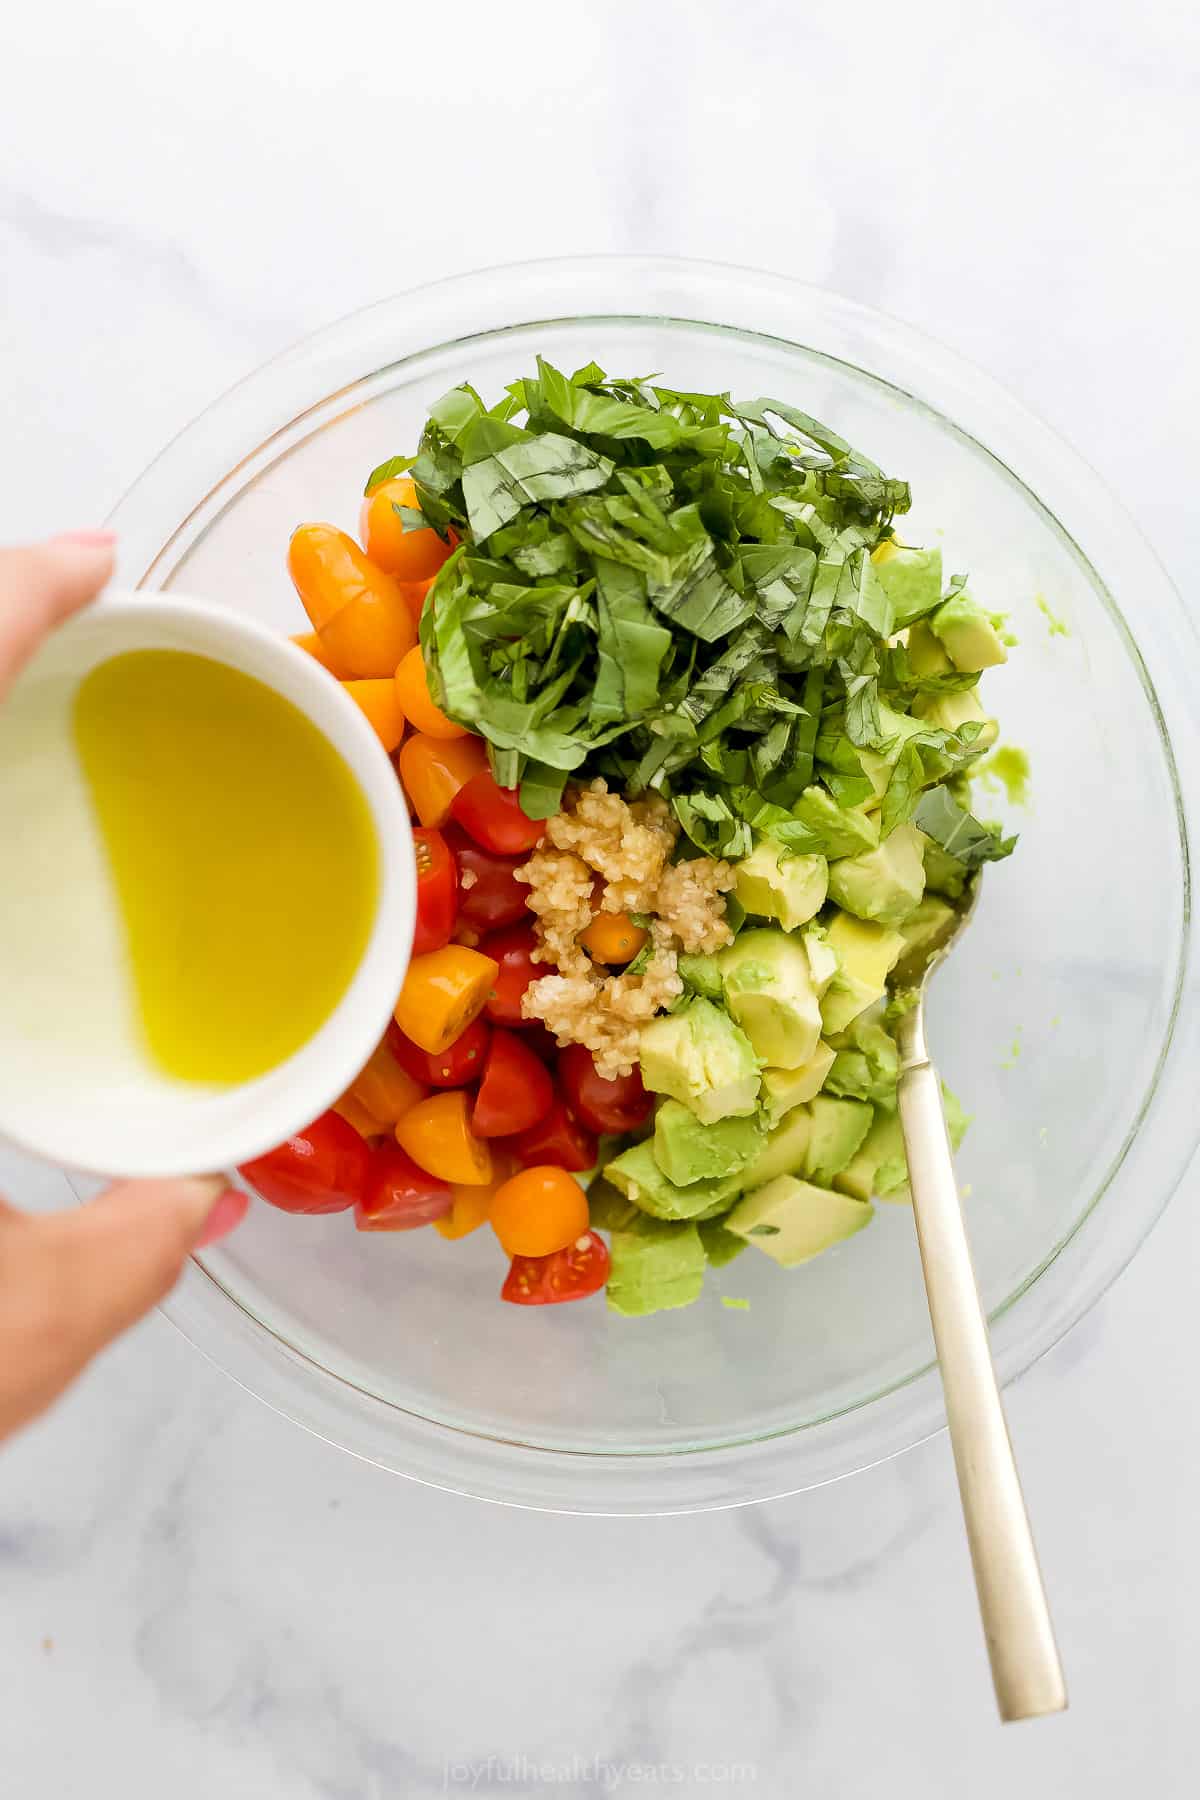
<point x="75" y="1084"/>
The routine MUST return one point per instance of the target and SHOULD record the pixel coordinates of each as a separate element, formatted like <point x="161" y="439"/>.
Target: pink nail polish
<point x="88" y="540"/>
<point x="225" y="1217"/>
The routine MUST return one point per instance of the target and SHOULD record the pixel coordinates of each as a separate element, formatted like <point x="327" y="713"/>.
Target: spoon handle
<point x="1026" y="1670"/>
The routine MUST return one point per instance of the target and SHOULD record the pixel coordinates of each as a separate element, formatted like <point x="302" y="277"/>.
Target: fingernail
<point x="225" y="1217"/>
<point x="89" y="540"/>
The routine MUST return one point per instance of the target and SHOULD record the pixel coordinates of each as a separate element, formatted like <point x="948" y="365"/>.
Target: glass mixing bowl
<point x="1065" y="1020"/>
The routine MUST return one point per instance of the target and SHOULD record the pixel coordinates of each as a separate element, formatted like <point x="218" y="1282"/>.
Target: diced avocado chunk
<point x="784" y="1151"/>
<point x="929" y="925"/>
<point x="838" y="1129"/>
<point x="720" y="1245"/>
<point x="822" y="960"/>
<point x="792" y="1221"/>
<point x="774" y="883"/>
<point x="782" y="1089"/>
<point x="944" y="874"/>
<point x="699" y="1056"/>
<point x="970" y="639"/>
<point x="769" y="991"/>
<point x="911" y="579"/>
<point x="884" y="884"/>
<point x="655" y="1267"/>
<point x="636" y="1175"/>
<point x="700" y="975"/>
<point x="951" y="712"/>
<point x="878" y="1166"/>
<point x="840" y="830"/>
<point x="926" y="653"/>
<point x="866" y="954"/>
<point x="687" y="1151"/>
<point x="867" y="1063"/>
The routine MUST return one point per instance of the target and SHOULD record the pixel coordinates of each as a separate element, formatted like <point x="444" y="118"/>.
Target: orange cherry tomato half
<point x="413" y="697"/>
<point x="494" y="818"/>
<point x="310" y="643"/>
<point x="437" y="1134"/>
<point x="409" y="555"/>
<point x="539" y="1211"/>
<point x="612" y="938"/>
<point x="399" y="1196"/>
<point x="437" y="892"/>
<point x="363" y="619"/>
<point x="356" y="1114"/>
<point x="321" y="1170"/>
<point x="441" y="995"/>
<point x="570" y="1274"/>
<point x="377" y="701"/>
<point x="434" y="769"/>
<point x="515" y="1091"/>
<point x="473" y="1204"/>
<point x="385" y="1090"/>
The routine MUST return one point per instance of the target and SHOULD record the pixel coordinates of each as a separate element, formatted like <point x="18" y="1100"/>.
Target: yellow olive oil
<point x="244" y="859"/>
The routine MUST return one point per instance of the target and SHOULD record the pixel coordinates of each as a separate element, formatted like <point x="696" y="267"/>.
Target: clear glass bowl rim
<point x="315" y="376"/>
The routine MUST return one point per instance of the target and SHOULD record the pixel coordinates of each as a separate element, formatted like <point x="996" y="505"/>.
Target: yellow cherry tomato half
<point x="443" y="991"/>
<point x="437" y="1135"/>
<point x="412" y="693"/>
<point x="541" y="1210"/>
<point x="612" y="938"/>
<point x="408" y="555"/>
<point x="376" y="700"/>
<point x="363" y="618"/>
<point x="433" y="770"/>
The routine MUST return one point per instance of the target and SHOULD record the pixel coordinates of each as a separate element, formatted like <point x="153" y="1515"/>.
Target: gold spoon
<point x="1026" y="1670"/>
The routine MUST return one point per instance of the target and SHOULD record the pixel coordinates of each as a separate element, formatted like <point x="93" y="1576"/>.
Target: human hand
<point x="70" y="1282"/>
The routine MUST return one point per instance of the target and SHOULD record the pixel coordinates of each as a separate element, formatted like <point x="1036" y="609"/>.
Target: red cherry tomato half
<point x="557" y="1139"/>
<point x="515" y="1092"/>
<point x="455" y="1067"/>
<point x="543" y="1043"/>
<point x="437" y="892"/>
<point x="489" y="894"/>
<point x="493" y="816"/>
<point x="323" y="1169"/>
<point x="399" y="1195"/>
<point x="601" y="1102"/>
<point x="513" y="950"/>
<point x="571" y="1274"/>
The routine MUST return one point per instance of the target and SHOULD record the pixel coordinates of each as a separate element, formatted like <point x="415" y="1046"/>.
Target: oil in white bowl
<point x="244" y="861"/>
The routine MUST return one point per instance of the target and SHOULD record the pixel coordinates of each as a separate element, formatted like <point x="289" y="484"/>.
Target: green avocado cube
<point x="792" y="1221"/>
<point x="720" y="1246"/>
<point x="656" y="1267"/>
<point x="885" y="884"/>
<point x="769" y="990"/>
<point x="926" y="654"/>
<point x="944" y="874"/>
<point x="687" y="1151"/>
<point x="783" y="1089"/>
<point x="970" y="639"/>
<point x="699" y="1056"/>
<point x="635" y="1174"/>
<point x="950" y="712"/>
<point x="837" y="1131"/>
<point x="775" y="883"/>
<point x="838" y="830"/>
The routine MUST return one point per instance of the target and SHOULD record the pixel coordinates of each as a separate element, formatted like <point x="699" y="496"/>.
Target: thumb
<point x="70" y="1282"/>
<point x="120" y="1254"/>
<point x="43" y="584"/>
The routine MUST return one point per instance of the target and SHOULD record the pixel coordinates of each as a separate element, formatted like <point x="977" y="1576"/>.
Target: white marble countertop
<point x="195" y="1597"/>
